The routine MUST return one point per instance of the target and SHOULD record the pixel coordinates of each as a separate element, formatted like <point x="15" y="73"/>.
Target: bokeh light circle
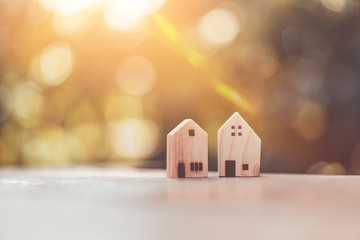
<point x="136" y="75"/>
<point x="126" y="15"/>
<point x="56" y="63"/>
<point x="219" y="26"/>
<point x="326" y="168"/>
<point x="134" y="138"/>
<point x="334" y="5"/>
<point x="64" y="25"/>
<point x="27" y="102"/>
<point x="311" y="121"/>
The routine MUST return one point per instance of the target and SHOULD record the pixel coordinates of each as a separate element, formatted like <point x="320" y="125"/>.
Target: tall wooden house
<point x="187" y="151"/>
<point x="238" y="149"/>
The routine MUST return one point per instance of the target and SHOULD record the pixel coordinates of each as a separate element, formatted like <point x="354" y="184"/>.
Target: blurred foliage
<point x="103" y="81"/>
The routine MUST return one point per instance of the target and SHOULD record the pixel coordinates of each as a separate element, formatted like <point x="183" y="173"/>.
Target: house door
<point x="229" y="168"/>
<point x="181" y="170"/>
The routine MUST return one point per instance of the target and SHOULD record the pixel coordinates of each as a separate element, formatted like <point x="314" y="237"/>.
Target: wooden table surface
<point x="119" y="203"/>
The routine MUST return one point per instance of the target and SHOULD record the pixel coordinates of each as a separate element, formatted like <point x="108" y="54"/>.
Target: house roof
<point x="185" y="123"/>
<point x="236" y="115"/>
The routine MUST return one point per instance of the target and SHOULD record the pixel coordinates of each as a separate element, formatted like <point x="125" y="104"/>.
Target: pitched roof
<point x="184" y="123"/>
<point x="238" y="116"/>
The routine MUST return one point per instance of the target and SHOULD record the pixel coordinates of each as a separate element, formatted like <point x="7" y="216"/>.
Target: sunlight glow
<point x="125" y="15"/>
<point x="68" y="24"/>
<point x="68" y="7"/>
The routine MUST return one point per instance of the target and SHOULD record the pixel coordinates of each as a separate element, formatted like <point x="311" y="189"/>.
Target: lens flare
<point x="233" y="96"/>
<point x="197" y="60"/>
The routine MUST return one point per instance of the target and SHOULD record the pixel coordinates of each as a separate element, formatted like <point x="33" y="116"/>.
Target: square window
<point x="196" y="166"/>
<point x="239" y="127"/>
<point x="200" y="166"/>
<point x="191" y="132"/>
<point x="232" y="127"/>
<point x="245" y="166"/>
<point x="192" y="166"/>
<point x="239" y="133"/>
<point x="233" y="134"/>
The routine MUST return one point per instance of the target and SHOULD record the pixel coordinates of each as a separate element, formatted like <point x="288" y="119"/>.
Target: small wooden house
<point x="187" y="151"/>
<point x="238" y="149"/>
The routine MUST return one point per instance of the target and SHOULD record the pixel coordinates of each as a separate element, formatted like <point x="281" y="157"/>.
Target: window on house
<point x="191" y="132"/>
<point x="196" y="166"/>
<point x="245" y="167"/>
<point x="234" y="131"/>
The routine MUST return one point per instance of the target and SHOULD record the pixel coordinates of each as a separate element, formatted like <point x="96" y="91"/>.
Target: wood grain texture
<point x="187" y="143"/>
<point x="237" y="141"/>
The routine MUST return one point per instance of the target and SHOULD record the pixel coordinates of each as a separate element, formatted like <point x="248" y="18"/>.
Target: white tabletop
<point x="120" y="203"/>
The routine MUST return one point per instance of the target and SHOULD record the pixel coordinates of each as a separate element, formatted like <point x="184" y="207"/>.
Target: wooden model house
<point x="238" y="149"/>
<point x="187" y="151"/>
